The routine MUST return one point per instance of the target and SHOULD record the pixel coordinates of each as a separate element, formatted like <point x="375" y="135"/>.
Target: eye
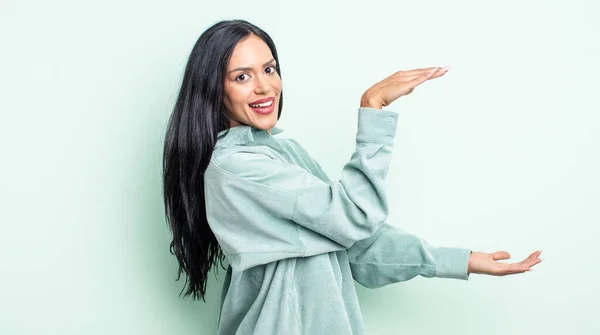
<point x="240" y="76"/>
<point x="273" y="69"/>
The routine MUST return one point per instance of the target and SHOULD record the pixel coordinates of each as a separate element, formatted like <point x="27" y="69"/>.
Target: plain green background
<point x="502" y="153"/>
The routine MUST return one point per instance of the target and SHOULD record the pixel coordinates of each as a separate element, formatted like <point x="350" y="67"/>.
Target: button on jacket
<point x="296" y="241"/>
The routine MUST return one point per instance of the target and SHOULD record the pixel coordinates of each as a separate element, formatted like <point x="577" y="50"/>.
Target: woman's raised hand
<point x="398" y="84"/>
<point x="484" y="263"/>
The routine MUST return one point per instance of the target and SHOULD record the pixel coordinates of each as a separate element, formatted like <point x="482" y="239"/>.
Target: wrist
<point x="469" y="263"/>
<point x="370" y="102"/>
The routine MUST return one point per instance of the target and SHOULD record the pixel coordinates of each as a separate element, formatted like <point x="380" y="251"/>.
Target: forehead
<point x="251" y="51"/>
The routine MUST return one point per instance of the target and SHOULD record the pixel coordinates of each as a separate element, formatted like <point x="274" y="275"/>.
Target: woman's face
<point x="252" y="85"/>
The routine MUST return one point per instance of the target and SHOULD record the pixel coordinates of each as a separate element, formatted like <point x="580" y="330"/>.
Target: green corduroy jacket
<point x="296" y="241"/>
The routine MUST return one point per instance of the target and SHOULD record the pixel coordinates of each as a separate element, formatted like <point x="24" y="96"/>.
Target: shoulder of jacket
<point x="239" y="159"/>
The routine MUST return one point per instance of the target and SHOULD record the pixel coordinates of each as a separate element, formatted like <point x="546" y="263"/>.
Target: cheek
<point x="237" y="97"/>
<point x="276" y="84"/>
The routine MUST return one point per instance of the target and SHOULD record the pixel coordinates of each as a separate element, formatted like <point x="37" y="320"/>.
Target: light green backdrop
<point x="500" y="154"/>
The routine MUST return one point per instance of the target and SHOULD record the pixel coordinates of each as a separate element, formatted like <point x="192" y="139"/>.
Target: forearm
<point x="393" y="255"/>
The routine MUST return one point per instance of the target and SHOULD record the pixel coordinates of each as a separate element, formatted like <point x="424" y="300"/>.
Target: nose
<point x="261" y="85"/>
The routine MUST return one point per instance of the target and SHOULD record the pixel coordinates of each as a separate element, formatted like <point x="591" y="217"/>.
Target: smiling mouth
<point x="264" y="108"/>
<point x="263" y="105"/>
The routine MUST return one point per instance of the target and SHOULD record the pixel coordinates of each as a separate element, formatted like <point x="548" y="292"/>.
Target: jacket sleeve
<point x="393" y="255"/>
<point x="262" y="209"/>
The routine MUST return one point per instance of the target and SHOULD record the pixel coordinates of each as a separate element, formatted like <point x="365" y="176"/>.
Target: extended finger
<point x="417" y="71"/>
<point x="436" y="74"/>
<point x="536" y="253"/>
<point x="534" y="256"/>
<point x="512" y="268"/>
<point x="529" y="261"/>
<point x="419" y="80"/>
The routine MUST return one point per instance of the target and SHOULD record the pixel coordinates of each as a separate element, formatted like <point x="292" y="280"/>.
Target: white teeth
<point x="266" y="104"/>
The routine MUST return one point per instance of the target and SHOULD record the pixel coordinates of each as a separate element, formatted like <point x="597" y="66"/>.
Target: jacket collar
<point x="240" y="135"/>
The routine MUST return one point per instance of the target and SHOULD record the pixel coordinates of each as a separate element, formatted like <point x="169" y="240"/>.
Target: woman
<point x="295" y="240"/>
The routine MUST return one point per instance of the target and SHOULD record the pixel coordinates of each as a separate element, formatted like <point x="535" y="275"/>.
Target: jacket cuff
<point x="452" y="263"/>
<point x="376" y="125"/>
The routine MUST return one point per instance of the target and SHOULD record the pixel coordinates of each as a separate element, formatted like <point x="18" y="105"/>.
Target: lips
<point x="264" y="110"/>
<point x="262" y="101"/>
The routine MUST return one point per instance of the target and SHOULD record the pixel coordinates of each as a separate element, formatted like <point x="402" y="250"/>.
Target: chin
<point x="266" y="124"/>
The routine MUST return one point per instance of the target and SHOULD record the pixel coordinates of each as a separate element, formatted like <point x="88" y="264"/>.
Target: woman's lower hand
<point x="398" y="84"/>
<point x="484" y="263"/>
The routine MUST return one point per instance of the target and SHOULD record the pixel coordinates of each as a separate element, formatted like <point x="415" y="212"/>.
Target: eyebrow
<point x="249" y="68"/>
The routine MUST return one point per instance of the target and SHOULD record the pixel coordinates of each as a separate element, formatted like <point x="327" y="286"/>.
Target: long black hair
<point x="197" y="118"/>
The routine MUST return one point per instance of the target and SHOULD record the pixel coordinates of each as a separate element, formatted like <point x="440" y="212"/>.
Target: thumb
<point x="498" y="255"/>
